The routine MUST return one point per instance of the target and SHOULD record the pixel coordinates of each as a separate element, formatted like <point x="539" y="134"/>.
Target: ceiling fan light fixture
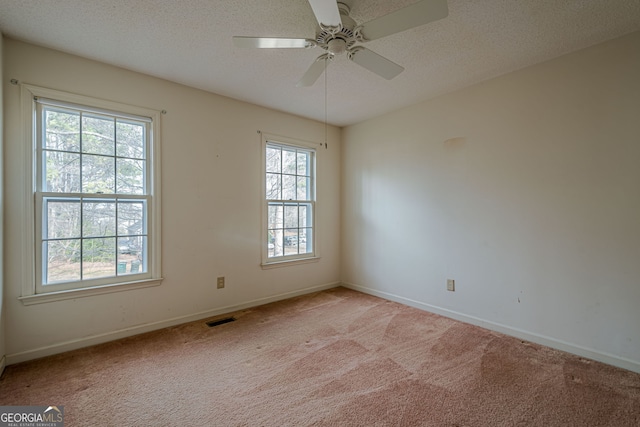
<point x="337" y="46"/>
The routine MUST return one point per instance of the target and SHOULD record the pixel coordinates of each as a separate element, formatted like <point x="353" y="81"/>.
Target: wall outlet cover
<point x="451" y="285"/>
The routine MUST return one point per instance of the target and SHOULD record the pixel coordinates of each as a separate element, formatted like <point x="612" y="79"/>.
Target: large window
<point x="289" y="200"/>
<point x="95" y="185"/>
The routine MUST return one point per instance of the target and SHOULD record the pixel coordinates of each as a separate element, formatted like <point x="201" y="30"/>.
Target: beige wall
<point x="211" y="154"/>
<point x="2" y="316"/>
<point x="524" y="189"/>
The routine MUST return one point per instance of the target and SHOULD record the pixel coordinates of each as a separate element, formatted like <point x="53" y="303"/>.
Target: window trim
<point x="282" y="261"/>
<point x="29" y="293"/>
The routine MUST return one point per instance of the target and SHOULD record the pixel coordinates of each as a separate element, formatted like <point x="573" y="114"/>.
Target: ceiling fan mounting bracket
<point x="310" y="44"/>
<point x="357" y="34"/>
<point x="330" y="29"/>
<point x="353" y="51"/>
<point x="325" y="56"/>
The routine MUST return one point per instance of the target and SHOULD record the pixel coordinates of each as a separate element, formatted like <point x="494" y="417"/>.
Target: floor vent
<point x="213" y="323"/>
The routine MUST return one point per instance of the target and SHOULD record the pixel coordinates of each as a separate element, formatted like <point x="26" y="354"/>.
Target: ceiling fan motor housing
<point x="339" y="39"/>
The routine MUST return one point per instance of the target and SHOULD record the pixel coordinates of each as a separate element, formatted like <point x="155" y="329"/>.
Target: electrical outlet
<point x="451" y="285"/>
<point x="221" y="282"/>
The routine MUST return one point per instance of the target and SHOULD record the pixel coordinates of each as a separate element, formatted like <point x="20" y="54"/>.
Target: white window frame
<point x="33" y="292"/>
<point x="284" y="260"/>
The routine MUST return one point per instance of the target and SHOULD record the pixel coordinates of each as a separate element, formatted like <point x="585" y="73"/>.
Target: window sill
<point x="277" y="264"/>
<point x="86" y="292"/>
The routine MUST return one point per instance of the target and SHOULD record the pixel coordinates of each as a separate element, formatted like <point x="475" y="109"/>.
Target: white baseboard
<point x="607" y="358"/>
<point x="123" y="333"/>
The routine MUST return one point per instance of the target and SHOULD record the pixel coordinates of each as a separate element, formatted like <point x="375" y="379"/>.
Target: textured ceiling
<point x="189" y="42"/>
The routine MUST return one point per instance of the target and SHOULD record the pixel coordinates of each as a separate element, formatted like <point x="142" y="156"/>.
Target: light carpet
<point x="332" y="358"/>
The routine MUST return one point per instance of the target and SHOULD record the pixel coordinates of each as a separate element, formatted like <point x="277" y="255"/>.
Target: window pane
<point x="303" y="188"/>
<point x="132" y="255"/>
<point x="62" y="261"/>
<point x="303" y="163"/>
<point x="131" y="220"/>
<point x="291" y="216"/>
<point x="275" y="219"/>
<point x="306" y="240"/>
<point x="276" y="245"/>
<point x="288" y="187"/>
<point x="62" y="130"/>
<point x="290" y="241"/>
<point x="61" y="172"/>
<point x="98" y="135"/>
<point x="288" y="162"/>
<point x="130" y="140"/>
<point x="273" y="159"/>
<point x="63" y="219"/>
<point x="273" y="186"/>
<point x="98" y="258"/>
<point x="130" y="176"/>
<point x="99" y="219"/>
<point x="98" y="174"/>
<point x="304" y="215"/>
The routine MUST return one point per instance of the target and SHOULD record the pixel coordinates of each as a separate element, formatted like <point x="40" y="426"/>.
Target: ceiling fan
<point x="338" y="33"/>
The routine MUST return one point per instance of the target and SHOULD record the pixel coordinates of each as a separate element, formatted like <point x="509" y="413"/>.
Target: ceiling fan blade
<point x="326" y="12"/>
<point x="272" y="42"/>
<point x="414" y="15"/>
<point x="375" y="63"/>
<point x="314" y="72"/>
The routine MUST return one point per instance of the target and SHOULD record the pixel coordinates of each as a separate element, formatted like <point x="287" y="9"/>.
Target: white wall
<point x="2" y="316"/>
<point x="524" y="189"/>
<point x="211" y="197"/>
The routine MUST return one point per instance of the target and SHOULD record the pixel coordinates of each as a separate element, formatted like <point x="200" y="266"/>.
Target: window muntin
<point x="290" y="200"/>
<point x="92" y="196"/>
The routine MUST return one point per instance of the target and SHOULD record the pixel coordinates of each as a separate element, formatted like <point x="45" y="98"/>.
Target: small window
<point x="96" y="188"/>
<point x="289" y="201"/>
